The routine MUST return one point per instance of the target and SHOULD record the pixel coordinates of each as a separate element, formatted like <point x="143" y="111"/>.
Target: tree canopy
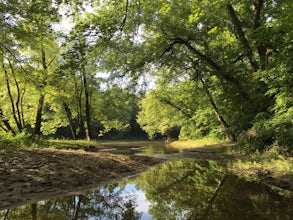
<point x="78" y="69"/>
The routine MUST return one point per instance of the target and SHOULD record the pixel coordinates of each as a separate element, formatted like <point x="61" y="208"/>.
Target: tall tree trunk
<point x="81" y="128"/>
<point x="86" y="91"/>
<point x="261" y="48"/>
<point x="38" y="123"/>
<point x="21" y="107"/>
<point x="87" y="108"/>
<point x="217" y="113"/>
<point x="18" y="100"/>
<point x="18" y="123"/>
<point x="70" y="121"/>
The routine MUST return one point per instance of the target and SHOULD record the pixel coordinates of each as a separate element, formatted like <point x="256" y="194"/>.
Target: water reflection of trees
<point x="179" y="189"/>
<point x="104" y="203"/>
<point x="188" y="189"/>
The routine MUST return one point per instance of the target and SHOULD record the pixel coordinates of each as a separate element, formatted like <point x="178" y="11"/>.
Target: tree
<point x="229" y="46"/>
<point x="25" y="49"/>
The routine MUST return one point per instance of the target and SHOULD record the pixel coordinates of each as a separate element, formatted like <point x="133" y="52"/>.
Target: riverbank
<point x="30" y="174"/>
<point x="271" y="168"/>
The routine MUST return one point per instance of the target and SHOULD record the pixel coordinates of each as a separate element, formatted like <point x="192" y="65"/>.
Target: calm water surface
<point x="179" y="189"/>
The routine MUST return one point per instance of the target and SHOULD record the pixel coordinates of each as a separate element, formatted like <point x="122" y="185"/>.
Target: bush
<point x="21" y="140"/>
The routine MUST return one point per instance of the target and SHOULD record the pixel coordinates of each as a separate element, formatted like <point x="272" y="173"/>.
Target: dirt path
<point x="29" y="175"/>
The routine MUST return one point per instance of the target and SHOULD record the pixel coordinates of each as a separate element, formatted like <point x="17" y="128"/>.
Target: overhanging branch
<point x="218" y="70"/>
<point x="242" y="38"/>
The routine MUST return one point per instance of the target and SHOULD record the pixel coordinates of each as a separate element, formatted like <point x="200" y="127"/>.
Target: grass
<point x="271" y="168"/>
<point x="261" y="164"/>
<point x="203" y="142"/>
<point x="74" y="144"/>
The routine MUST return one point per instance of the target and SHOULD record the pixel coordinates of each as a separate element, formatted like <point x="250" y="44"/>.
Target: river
<point x="177" y="189"/>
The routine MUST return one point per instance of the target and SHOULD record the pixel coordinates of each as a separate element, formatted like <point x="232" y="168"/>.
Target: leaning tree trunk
<point x="217" y="113"/>
<point x="70" y="120"/>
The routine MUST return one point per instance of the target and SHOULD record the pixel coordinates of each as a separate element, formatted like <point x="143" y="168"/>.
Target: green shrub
<point x="21" y="140"/>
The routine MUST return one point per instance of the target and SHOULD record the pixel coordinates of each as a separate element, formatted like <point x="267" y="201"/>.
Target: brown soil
<point x="29" y="175"/>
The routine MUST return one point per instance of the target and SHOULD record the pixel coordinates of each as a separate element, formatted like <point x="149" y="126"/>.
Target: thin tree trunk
<point x="21" y="107"/>
<point x="38" y="123"/>
<point x="81" y="128"/>
<point x="261" y="49"/>
<point x="86" y="92"/>
<point x="87" y="107"/>
<point x="69" y="118"/>
<point x="6" y="122"/>
<point x="217" y="113"/>
<point x="18" y="100"/>
<point x="5" y="129"/>
<point x="18" y="124"/>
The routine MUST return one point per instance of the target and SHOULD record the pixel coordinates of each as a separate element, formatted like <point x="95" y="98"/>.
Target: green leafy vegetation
<point x="270" y="168"/>
<point x="203" y="142"/>
<point x="81" y="70"/>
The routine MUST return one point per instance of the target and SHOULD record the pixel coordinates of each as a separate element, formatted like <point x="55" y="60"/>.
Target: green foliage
<point x="115" y="109"/>
<point x="21" y="140"/>
<point x="230" y="70"/>
<point x="156" y="116"/>
<point x="206" y="141"/>
<point x="180" y="188"/>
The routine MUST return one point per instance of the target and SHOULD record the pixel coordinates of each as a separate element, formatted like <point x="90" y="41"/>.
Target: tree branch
<point x="242" y="38"/>
<point x="261" y="48"/>
<point x="211" y="63"/>
<point x="168" y="102"/>
<point x="125" y="16"/>
<point x="18" y="61"/>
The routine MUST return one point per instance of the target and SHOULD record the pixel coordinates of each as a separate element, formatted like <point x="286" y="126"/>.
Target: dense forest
<point x="187" y="69"/>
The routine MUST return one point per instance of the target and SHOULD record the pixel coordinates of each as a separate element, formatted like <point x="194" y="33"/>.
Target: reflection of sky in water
<point x="185" y="197"/>
<point x="130" y="190"/>
<point x="143" y="204"/>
